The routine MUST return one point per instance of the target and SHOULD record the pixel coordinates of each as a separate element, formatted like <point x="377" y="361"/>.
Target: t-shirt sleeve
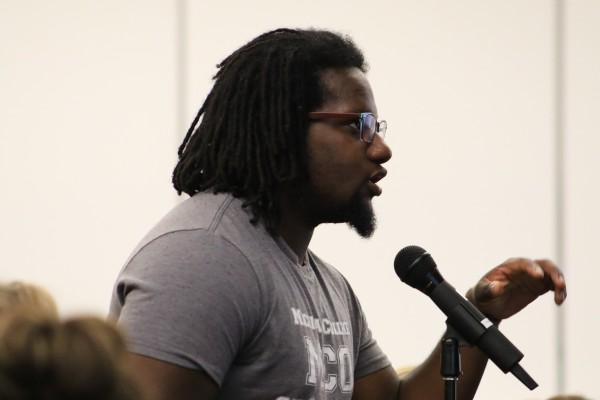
<point x="189" y="298"/>
<point x="371" y="357"/>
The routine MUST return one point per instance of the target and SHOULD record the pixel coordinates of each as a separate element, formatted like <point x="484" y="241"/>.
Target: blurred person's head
<point x="21" y="294"/>
<point x="42" y="357"/>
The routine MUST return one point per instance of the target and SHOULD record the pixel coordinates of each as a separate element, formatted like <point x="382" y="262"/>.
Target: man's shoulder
<point x="209" y="211"/>
<point x="201" y="216"/>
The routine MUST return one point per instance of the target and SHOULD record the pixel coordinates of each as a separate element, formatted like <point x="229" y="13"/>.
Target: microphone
<point x="415" y="267"/>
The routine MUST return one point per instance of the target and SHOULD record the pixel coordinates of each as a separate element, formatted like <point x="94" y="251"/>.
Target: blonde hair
<point x="19" y="294"/>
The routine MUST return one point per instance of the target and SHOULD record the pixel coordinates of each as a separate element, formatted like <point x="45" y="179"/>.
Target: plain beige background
<point x="96" y="95"/>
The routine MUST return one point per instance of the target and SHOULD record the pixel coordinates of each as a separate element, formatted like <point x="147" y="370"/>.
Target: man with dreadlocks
<point x="223" y="298"/>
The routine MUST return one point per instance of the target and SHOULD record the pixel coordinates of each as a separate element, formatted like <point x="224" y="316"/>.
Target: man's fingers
<point x="556" y="280"/>
<point x="487" y="290"/>
<point x="537" y="269"/>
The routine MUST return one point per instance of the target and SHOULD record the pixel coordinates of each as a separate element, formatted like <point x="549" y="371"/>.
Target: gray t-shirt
<point x="207" y="289"/>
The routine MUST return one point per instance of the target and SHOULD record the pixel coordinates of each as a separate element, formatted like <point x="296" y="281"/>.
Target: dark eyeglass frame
<point x="366" y="135"/>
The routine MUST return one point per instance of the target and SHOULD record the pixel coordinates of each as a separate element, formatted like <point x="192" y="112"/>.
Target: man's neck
<point x="295" y="227"/>
<point x="296" y="238"/>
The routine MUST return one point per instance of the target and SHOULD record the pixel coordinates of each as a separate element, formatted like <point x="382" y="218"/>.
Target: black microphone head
<point x="413" y="265"/>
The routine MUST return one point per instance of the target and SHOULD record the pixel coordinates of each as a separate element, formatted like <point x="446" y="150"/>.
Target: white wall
<point x="582" y="193"/>
<point x="92" y="113"/>
<point x="87" y="132"/>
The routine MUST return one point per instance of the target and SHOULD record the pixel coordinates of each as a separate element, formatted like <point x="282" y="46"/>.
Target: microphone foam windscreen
<point x="412" y="264"/>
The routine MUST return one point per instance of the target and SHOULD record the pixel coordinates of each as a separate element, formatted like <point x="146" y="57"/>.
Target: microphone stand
<point x="450" y="363"/>
<point x="450" y="367"/>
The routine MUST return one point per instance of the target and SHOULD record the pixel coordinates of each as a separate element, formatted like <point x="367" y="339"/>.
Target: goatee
<point x="361" y="216"/>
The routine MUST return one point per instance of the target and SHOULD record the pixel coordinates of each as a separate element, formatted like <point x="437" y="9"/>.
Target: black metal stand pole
<point x="450" y="365"/>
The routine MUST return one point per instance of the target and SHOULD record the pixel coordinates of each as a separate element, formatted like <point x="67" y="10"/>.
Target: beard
<point x="357" y="212"/>
<point x="361" y="216"/>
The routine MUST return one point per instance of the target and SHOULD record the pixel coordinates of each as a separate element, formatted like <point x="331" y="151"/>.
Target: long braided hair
<point x="249" y="136"/>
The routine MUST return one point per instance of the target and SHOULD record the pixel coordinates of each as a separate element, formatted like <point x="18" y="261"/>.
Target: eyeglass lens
<point x="370" y="126"/>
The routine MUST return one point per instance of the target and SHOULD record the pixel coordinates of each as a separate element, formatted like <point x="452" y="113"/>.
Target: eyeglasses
<point x="368" y="125"/>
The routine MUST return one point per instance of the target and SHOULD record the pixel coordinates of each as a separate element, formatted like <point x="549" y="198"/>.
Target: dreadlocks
<point x="249" y="136"/>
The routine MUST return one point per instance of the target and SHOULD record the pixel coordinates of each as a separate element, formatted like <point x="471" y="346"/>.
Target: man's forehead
<point x="344" y="83"/>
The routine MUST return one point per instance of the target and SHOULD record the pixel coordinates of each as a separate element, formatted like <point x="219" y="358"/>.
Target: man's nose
<point x="379" y="150"/>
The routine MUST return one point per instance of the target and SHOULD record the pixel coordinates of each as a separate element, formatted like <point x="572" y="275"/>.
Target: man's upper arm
<point x="159" y="380"/>
<point x="194" y="311"/>
<point x="381" y="385"/>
